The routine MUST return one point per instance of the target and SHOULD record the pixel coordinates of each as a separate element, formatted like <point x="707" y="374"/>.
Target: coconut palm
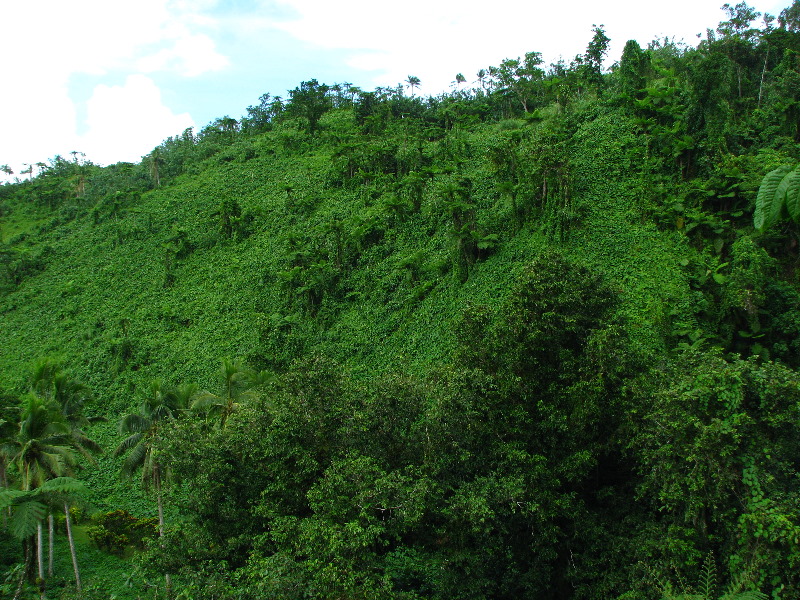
<point x="67" y="397"/>
<point x="28" y="508"/>
<point x="44" y="449"/>
<point x="44" y="444"/>
<point x="412" y="82"/>
<point x="157" y="412"/>
<point x="6" y="452"/>
<point x="238" y="381"/>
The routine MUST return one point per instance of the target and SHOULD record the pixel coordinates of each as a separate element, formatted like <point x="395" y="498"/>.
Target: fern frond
<point x="9" y="497"/>
<point x="708" y="577"/>
<point x="25" y="517"/>
<point x="736" y="591"/>
<point x="61" y="485"/>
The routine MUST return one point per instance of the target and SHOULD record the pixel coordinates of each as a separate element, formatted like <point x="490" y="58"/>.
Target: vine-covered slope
<point x="518" y="341"/>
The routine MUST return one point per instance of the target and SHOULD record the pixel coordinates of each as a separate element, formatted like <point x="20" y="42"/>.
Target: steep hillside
<point x="518" y="341"/>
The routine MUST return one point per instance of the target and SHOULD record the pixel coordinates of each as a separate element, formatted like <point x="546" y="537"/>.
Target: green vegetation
<point x="535" y="339"/>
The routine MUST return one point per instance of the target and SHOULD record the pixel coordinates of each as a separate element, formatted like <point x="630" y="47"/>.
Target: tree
<point x="27" y="508"/>
<point x="260" y="116"/>
<point x="57" y="397"/>
<point x="145" y="428"/>
<point x="412" y="83"/>
<point x="45" y="449"/>
<point x="238" y="381"/>
<point x="155" y="161"/>
<point x="481" y="78"/>
<point x="595" y="53"/>
<point x="789" y="19"/>
<point x="7" y="434"/>
<point x="631" y="71"/>
<point x="738" y="23"/>
<point x="520" y="79"/>
<point x="158" y="411"/>
<point x="310" y="100"/>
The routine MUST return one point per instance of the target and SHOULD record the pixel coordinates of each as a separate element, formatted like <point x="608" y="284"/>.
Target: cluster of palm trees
<point x="41" y="442"/>
<point x="158" y="411"/>
<point x="162" y="406"/>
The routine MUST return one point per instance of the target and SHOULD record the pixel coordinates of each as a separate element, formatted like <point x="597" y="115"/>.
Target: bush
<point x="116" y="530"/>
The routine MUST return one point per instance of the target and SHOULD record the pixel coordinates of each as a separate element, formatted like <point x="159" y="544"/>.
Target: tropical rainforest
<point x="536" y="337"/>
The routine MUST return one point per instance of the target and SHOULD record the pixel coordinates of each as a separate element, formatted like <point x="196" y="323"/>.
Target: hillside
<point x="522" y="340"/>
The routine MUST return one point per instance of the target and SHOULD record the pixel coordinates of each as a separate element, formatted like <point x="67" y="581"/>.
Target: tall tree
<point x="310" y="100"/>
<point x="44" y="450"/>
<point x="412" y="83"/>
<point x="28" y="507"/>
<point x="238" y="381"/>
<point x="145" y="428"/>
<point x="595" y="54"/>
<point x="789" y="19"/>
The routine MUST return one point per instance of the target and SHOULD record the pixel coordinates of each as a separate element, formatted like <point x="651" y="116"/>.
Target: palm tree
<point x="65" y="396"/>
<point x="7" y="446"/>
<point x="159" y="410"/>
<point x="44" y="450"/>
<point x="27" y="509"/>
<point x="412" y="82"/>
<point x="238" y="381"/>
<point x="156" y="161"/>
<point x="481" y="75"/>
<point x="144" y="428"/>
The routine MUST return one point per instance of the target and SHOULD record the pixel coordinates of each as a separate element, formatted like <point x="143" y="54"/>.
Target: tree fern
<point x="29" y="508"/>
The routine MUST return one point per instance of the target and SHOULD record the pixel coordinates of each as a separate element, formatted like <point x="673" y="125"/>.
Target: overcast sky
<point x="113" y="78"/>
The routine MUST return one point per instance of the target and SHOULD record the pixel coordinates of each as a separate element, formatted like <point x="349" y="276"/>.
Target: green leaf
<point x="768" y="203"/>
<point x="61" y="485"/>
<point x="25" y="517"/>
<point x="793" y="194"/>
<point x="8" y="497"/>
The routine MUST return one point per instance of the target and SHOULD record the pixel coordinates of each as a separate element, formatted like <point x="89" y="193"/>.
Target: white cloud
<point x="126" y="122"/>
<point x="46" y="43"/>
<point x="192" y="55"/>
<point x="435" y="39"/>
<point x="52" y="40"/>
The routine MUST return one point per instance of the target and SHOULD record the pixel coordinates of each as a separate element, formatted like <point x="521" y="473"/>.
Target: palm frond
<point x="205" y="401"/>
<point x="128" y="443"/>
<point x="136" y="459"/>
<point x="135" y="423"/>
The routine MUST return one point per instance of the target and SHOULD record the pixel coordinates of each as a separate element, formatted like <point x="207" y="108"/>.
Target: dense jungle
<point x="537" y="337"/>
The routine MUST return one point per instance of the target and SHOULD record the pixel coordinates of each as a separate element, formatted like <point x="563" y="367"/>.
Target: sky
<point x="114" y="78"/>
